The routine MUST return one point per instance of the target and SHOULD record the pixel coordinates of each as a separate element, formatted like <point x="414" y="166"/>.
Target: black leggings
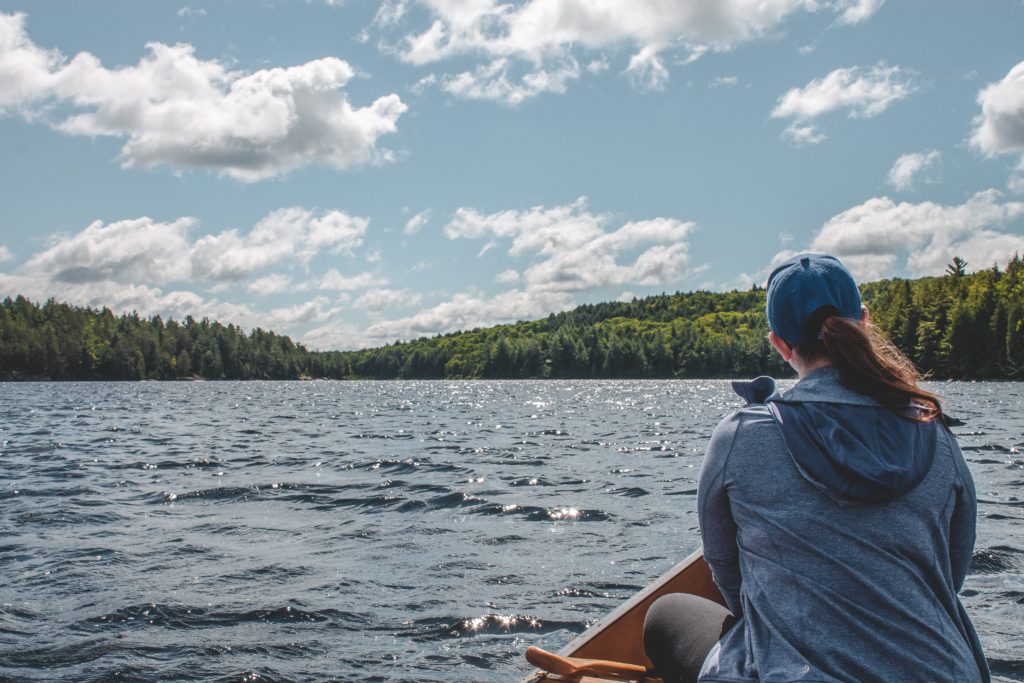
<point x="679" y="631"/>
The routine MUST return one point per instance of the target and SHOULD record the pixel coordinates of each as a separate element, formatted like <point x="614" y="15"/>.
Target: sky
<point x="353" y="173"/>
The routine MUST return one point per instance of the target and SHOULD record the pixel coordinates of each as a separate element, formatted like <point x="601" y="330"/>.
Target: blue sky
<point x="352" y="173"/>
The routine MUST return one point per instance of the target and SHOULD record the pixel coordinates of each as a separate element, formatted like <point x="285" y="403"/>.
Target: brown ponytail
<point x="870" y="364"/>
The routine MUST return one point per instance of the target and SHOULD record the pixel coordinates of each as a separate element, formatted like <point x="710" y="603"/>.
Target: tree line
<point x="958" y="326"/>
<point x="63" y="342"/>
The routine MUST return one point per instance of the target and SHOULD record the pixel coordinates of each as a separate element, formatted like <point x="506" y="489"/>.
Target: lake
<point x="383" y="531"/>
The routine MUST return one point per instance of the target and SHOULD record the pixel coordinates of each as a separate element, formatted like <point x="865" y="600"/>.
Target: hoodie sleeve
<point x="964" y="520"/>
<point x="717" y="526"/>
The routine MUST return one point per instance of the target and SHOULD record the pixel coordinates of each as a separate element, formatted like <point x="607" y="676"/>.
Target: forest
<point x="956" y="326"/>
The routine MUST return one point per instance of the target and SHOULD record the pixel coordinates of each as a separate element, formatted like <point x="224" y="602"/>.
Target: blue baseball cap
<point x="803" y="285"/>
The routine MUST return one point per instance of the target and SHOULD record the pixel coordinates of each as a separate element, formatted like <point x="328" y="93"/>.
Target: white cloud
<point x="378" y="299"/>
<point x="334" y="336"/>
<point x="725" y="81"/>
<point x="507" y="277"/>
<point x="590" y="269"/>
<point x="178" y="110"/>
<point x="145" y="252"/>
<point x="416" y="223"/>
<point x="5" y="254"/>
<point x="335" y="281"/>
<point x="466" y="311"/>
<point x="187" y="11"/>
<point x="228" y="256"/>
<point x="578" y="250"/>
<point x="1000" y="126"/>
<point x="420" y="86"/>
<point x="537" y="229"/>
<point x="314" y="310"/>
<point x="136" y="250"/>
<point x="856" y="11"/>
<point x="286" y="234"/>
<point x="390" y="13"/>
<point x="550" y="37"/>
<point x="334" y="231"/>
<point x="275" y="283"/>
<point x="536" y="28"/>
<point x="902" y="173"/>
<point x="26" y="70"/>
<point x="647" y="70"/>
<point x="802" y="135"/>
<point x="493" y="82"/>
<point x="862" y="92"/>
<point x="881" y="238"/>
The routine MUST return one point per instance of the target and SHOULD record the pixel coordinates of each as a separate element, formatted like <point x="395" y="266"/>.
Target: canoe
<point x="619" y="636"/>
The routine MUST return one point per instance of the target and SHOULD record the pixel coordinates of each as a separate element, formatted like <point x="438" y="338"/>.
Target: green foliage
<point x="958" y="326"/>
<point x="958" y="268"/>
<point x="966" y="326"/>
<point x="62" y="342"/>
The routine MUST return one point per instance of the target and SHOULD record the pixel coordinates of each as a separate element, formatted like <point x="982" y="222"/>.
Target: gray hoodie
<point x="839" y="533"/>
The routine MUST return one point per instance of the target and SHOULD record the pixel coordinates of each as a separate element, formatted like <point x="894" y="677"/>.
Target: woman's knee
<point x="679" y="630"/>
<point x="662" y="622"/>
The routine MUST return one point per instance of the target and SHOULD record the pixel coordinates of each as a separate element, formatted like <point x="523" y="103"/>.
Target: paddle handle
<point x="572" y="666"/>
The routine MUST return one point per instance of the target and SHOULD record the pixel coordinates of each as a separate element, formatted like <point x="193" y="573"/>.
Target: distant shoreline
<point x="956" y="326"/>
<point x="46" y="380"/>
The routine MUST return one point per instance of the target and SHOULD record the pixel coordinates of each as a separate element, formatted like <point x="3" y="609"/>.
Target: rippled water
<point x="381" y="531"/>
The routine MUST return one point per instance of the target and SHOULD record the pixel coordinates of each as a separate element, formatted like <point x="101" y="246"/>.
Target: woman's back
<point x="834" y="587"/>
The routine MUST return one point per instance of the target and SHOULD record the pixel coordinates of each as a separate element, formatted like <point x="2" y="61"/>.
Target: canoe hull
<point x="620" y="636"/>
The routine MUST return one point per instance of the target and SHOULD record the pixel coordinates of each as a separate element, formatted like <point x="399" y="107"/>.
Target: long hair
<point x="868" y="363"/>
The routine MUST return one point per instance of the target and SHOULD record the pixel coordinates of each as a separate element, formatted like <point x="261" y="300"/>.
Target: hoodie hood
<point x="846" y="444"/>
<point x="863" y="454"/>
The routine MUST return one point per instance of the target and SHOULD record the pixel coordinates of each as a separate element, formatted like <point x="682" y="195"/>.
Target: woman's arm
<point x="717" y="526"/>
<point x="964" y="520"/>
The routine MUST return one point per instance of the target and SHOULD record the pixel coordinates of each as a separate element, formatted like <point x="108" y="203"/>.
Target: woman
<point x="837" y="517"/>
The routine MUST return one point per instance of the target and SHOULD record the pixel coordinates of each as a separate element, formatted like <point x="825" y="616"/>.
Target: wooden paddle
<point x="573" y="666"/>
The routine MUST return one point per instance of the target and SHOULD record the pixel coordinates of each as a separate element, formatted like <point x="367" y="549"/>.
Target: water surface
<point x="382" y="531"/>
